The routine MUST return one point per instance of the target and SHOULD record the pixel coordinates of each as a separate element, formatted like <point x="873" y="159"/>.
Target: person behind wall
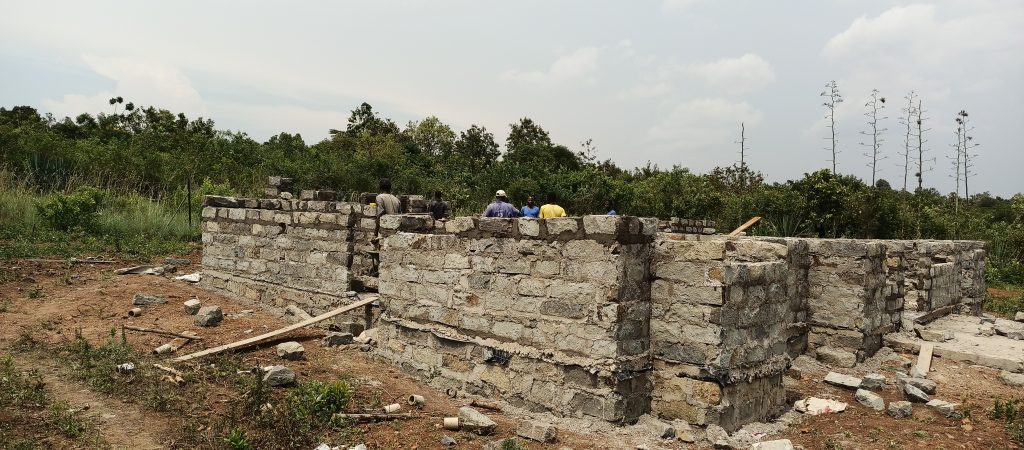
<point x="530" y="209"/>
<point x="501" y="207"/>
<point x="437" y="207"/>
<point x="610" y="208"/>
<point x="551" y="208"/>
<point x="386" y="202"/>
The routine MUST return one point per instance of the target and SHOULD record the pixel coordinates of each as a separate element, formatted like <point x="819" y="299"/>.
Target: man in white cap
<point x="501" y="207"/>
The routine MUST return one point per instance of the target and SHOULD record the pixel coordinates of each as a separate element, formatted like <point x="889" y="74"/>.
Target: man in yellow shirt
<point x="550" y="209"/>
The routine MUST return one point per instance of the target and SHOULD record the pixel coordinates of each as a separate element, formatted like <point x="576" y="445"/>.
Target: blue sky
<point x="662" y="81"/>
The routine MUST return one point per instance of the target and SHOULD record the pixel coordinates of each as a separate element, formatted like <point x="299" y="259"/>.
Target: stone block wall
<point x="944" y="277"/>
<point x="724" y="314"/>
<point x="552" y="315"/>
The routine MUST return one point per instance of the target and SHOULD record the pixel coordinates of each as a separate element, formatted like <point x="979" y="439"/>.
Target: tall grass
<point x="129" y="225"/>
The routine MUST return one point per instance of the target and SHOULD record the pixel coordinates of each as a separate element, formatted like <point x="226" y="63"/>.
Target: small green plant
<point x="35" y="292"/>
<point x="921" y="434"/>
<point x="72" y="212"/>
<point x="1011" y="413"/>
<point x="63" y="418"/>
<point x="512" y="444"/>
<point x="236" y="440"/>
<point x="319" y="400"/>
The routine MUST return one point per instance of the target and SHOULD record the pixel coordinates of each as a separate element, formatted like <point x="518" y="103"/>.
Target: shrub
<point x="73" y="212"/>
<point x="1011" y="413"/>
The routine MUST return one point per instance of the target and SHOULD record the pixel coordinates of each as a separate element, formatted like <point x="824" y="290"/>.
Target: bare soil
<point x="54" y="301"/>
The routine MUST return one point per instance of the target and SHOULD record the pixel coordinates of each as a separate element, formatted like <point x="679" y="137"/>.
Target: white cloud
<point x="645" y="90"/>
<point x="703" y="124"/>
<point x="743" y="74"/>
<point x="577" y="66"/>
<point x="139" y="81"/>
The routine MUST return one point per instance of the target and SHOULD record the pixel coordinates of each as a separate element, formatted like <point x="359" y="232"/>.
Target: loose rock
<point x="843" y="381"/>
<point x="914" y="394"/>
<point x="448" y="441"/>
<point x="209" y="316"/>
<point x="925" y="385"/>
<point x="781" y="444"/>
<point x="192" y="306"/>
<point x="934" y="335"/>
<point x="872" y="381"/>
<point x="946" y="408"/>
<point x="190" y="278"/>
<point x="836" y="357"/>
<point x="291" y="350"/>
<point x="987" y="329"/>
<point x="717" y="435"/>
<point x="1019" y="316"/>
<point x="279" y="376"/>
<point x="476" y="421"/>
<point x="1012" y="379"/>
<point x="1011" y="330"/>
<point x="870" y="399"/>
<point x="901" y="409"/>
<point x="538" y="431"/>
<point x="658" y="428"/>
<point x="813" y="406"/>
<point x="146" y="299"/>
<point x="336" y="339"/>
<point x="352" y="328"/>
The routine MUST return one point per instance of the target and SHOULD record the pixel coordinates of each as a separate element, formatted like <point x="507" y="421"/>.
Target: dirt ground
<point x="53" y="301"/>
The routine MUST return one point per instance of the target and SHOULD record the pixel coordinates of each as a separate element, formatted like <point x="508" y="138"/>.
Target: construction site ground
<point x="49" y="303"/>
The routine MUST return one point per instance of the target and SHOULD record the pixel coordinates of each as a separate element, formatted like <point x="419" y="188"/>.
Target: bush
<point x="73" y="212"/>
<point x="1011" y="413"/>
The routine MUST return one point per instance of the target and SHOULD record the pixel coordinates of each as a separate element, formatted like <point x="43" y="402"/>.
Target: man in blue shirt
<point x="530" y="209"/>
<point x="501" y="207"/>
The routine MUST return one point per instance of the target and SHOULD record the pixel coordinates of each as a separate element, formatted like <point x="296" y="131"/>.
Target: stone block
<point x="843" y="381"/>
<point x="870" y="399"/>
<point x="529" y="227"/>
<point x="192" y="306"/>
<point x="836" y="357"/>
<point x="476" y="421"/>
<point x="943" y="407"/>
<point x="278" y="376"/>
<point x="559" y="225"/>
<point x="459" y="225"/>
<point x="290" y="350"/>
<point x="873" y="382"/>
<point x="779" y="444"/>
<point x="601" y="225"/>
<point x="537" y="431"/>
<point x="497" y="225"/>
<point x="901" y="409"/>
<point x="209" y="316"/>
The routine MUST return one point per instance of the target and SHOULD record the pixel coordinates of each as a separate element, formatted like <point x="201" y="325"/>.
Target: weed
<point x="5" y="305"/>
<point x="35" y="292"/>
<point x="63" y="419"/>
<point x="23" y="400"/>
<point x="832" y="444"/>
<point x="25" y="341"/>
<point x="1006" y="305"/>
<point x="236" y="440"/>
<point x="1011" y="413"/>
<point x="512" y="444"/>
<point x="921" y="434"/>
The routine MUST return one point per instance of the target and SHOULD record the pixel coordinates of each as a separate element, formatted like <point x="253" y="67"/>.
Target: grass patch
<point x="31" y="418"/>
<point x="1011" y="414"/>
<point x="1004" y="300"/>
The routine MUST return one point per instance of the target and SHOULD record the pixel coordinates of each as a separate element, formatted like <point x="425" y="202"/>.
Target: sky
<point x="667" y="82"/>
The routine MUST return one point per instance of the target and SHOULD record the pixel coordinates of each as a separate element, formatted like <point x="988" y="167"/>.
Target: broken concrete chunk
<point x="946" y="408"/>
<point x="336" y="339"/>
<point x="353" y="328"/>
<point x="177" y="261"/>
<point x="296" y="314"/>
<point x="916" y="372"/>
<point x="658" y="428"/>
<point x="716" y="435"/>
<point x="1019" y="316"/>
<point x="190" y="278"/>
<point x="448" y="441"/>
<point x="1009" y="329"/>
<point x="813" y="406"/>
<point x="872" y="382"/>
<point x="476" y="421"/>
<point x="925" y="385"/>
<point x="368" y="336"/>
<point x="934" y="335"/>
<point x="901" y="409"/>
<point x="209" y="316"/>
<point x="279" y="376"/>
<point x="836" y="357"/>
<point x="914" y="394"/>
<point x="780" y="444"/>
<point x="987" y="329"/>
<point x="843" y="381"/>
<point x="1012" y="379"/>
<point x="192" y="306"/>
<point x="146" y="300"/>
<point x="291" y="350"/>
<point x="870" y="399"/>
<point x="538" y="431"/>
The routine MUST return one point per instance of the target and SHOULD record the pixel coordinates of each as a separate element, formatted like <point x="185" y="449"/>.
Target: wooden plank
<point x="924" y="359"/>
<point x="746" y="225"/>
<point x="257" y="339"/>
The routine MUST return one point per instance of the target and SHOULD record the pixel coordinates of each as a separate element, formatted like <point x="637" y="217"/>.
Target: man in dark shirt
<point x="437" y="207"/>
<point x="387" y="203"/>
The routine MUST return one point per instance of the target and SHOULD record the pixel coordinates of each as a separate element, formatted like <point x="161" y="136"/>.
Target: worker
<point x="551" y="209"/>
<point x="500" y="207"/>
<point x="386" y="202"/>
<point x="437" y="207"/>
<point x="530" y="209"/>
<point x="610" y="208"/>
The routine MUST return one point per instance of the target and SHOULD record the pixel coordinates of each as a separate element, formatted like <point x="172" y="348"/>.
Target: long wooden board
<point x="749" y="224"/>
<point x="257" y="339"/>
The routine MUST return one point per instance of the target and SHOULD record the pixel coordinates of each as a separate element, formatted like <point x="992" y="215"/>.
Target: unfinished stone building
<point x="604" y="317"/>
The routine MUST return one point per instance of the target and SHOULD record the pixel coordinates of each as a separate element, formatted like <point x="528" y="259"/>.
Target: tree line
<point x="158" y="153"/>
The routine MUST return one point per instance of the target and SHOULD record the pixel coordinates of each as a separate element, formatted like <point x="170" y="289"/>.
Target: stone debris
<point x="501" y="444"/>
<point x="657" y="427"/>
<point x="684" y="432"/>
<point x="987" y="329"/>
<point x="277" y="376"/>
<point x="872" y="382"/>
<point x="836" y="357"/>
<point x="901" y="409"/>
<point x="717" y="436"/>
<point x="1019" y="316"/>
<point x="335" y="339"/>
<point x="870" y="399"/>
<point x="916" y="372"/>
<point x="843" y="381"/>
<point x="934" y="335"/>
<point x="190" y="278"/>
<point x="1009" y="329"/>
<point x="539" y="431"/>
<point x="1012" y="379"/>
<point x="946" y="408"/>
<point x="140" y="270"/>
<point x="192" y="306"/>
<point x="925" y="385"/>
<point x="291" y="350"/>
<point x="448" y="441"/>
<point x="368" y="336"/>
<point x="296" y="314"/>
<point x="476" y="421"/>
<point x="177" y="261"/>
<point x="147" y="300"/>
<point x="914" y="394"/>
<point x="780" y="444"/>
<point x="813" y="406"/>
<point x="353" y="328"/>
<point x="209" y="316"/>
